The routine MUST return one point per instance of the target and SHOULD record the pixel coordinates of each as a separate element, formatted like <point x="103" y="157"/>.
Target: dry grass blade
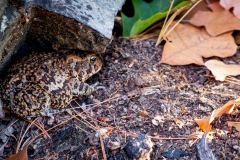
<point x="101" y="141"/>
<point x="87" y="123"/>
<point x="40" y="127"/>
<point x="20" y="142"/>
<point x="82" y="129"/>
<point x="165" y="28"/>
<point x="149" y="33"/>
<point x="233" y="80"/>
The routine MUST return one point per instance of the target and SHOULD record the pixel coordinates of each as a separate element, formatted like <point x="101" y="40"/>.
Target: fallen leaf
<point x="235" y="4"/>
<point x="201" y="6"/>
<point x="184" y="109"/>
<point x="234" y="124"/>
<point x="205" y="122"/>
<point x="22" y="155"/>
<point x="157" y="120"/>
<point x="215" y="25"/>
<point x="102" y="131"/>
<point x="187" y="44"/>
<point x="221" y="70"/>
<point x="144" y="113"/>
<point x="103" y="119"/>
<point x="179" y="123"/>
<point x="215" y="6"/>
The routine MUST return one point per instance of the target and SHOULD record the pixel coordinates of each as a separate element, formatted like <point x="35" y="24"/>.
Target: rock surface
<point x="97" y="14"/>
<point x="13" y="32"/>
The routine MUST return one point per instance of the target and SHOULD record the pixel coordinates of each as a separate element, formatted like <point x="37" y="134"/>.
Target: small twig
<point x="20" y="142"/>
<point x="82" y="129"/>
<point x="101" y="141"/>
<point x="40" y="127"/>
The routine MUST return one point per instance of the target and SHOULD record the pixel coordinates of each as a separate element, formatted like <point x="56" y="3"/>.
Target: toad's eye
<point x="92" y="59"/>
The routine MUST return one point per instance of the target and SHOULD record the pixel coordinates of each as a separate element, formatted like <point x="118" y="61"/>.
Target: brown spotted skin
<point x="43" y="82"/>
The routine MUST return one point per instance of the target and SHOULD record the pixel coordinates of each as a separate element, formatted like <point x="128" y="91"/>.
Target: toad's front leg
<point x="80" y="88"/>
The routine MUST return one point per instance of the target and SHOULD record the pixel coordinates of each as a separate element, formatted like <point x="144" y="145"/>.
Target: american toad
<point x="42" y="83"/>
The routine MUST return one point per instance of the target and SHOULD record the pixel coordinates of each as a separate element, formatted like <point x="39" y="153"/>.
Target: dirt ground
<point x="135" y="96"/>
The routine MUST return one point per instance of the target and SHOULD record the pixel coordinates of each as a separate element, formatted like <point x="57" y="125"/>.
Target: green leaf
<point x="147" y="14"/>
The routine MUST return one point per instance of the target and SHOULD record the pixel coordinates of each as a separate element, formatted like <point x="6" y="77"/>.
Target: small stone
<point x="134" y="107"/>
<point x="236" y="147"/>
<point x="139" y="148"/>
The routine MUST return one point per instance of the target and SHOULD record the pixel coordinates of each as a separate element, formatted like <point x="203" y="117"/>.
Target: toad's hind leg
<point x="32" y="101"/>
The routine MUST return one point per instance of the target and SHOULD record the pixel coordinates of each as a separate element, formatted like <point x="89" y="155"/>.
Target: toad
<point x="44" y="83"/>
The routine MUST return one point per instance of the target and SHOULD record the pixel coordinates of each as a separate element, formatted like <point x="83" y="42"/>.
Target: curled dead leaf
<point x="221" y="70"/>
<point x="205" y="122"/>
<point x="22" y="155"/>
<point x="157" y="120"/>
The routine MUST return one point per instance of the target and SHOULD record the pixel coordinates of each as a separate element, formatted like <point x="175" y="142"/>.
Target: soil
<point x="136" y="96"/>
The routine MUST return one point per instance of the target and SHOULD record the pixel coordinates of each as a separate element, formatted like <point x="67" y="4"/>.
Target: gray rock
<point x="12" y="33"/>
<point x="203" y="149"/>
<point x="97" y="14"/>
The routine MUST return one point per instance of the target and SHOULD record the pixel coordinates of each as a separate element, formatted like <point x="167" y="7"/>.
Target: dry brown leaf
<point x="201" y="6"/>
<point x="205" y="122"/>
<point x="234" y="124"/>
<point x="214" y="24"/>
<point x="103" y="119"/>
<point x="158" y="120"/>
<point x="221" y="70"/>
<point x="144" y="113"/>
<point x="228" y="4"/>
<point x="184" y="109"/>
<point x="187" y="44"/>
<point x="22" y="155"/>
<point x="215" y="6"/>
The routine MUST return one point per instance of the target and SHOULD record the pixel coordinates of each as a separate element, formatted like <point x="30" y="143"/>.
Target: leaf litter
<point x="169" y="123"/>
